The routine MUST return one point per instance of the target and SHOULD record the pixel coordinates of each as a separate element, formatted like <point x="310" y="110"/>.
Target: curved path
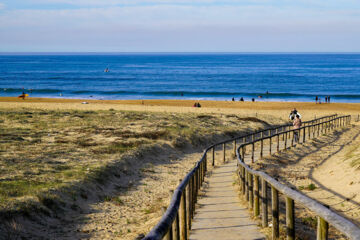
<point x="220" y="214"/>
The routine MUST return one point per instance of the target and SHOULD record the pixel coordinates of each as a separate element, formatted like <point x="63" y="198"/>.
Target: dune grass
<point x="45" y="150"/>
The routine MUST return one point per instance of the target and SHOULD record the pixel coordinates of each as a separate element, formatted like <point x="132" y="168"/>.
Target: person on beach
<point x="326" y="99"/>
<point x="297" y="125"/>
<point x="233" y="99"/>
<point x="23" y="95"/>
<point x="316" y="99"/>
<point x="253" y="99"/>
<point x="241" y="99"/>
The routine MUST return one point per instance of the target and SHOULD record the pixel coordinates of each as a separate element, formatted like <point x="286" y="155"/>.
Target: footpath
<point x="220" y="214"/>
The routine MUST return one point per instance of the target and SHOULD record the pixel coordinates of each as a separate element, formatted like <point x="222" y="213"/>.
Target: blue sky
<point x="179" y="26"/>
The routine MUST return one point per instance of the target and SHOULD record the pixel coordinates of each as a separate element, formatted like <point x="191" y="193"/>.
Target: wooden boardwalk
<point x="220" y="214"/>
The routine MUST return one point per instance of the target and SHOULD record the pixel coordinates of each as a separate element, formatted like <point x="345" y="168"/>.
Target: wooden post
<point x="224" y="147"/>
<point x="243" y="182"/>
<point x="189" y="204"/>
<point x="175" y="228"/>
<point x="290" y="219"/>
<point x="278" y="143"/>
<point x="243" y="150"/>
<point x="213" y="156"/>
<point x="252" y="152"/>
<point x="292" y="140"/>
<point x="275" y="212"/>
<point x="193" y="196"/>
<point x="261" y="148"/>
<point x="240" y="178"/>
<point x="322" y="229"/>
<point x="183" y="226"/>
<point x="199" y="176"/>
<point x="246" y="185"/>
<point x="270" y="145"/>
<point x="318" y="130"/>
<point x="264" y="212"/>
<point x="199" y="173"/>
<point x="285" y="141"/>
<point x="234" y="147"/>
<point x="202" y="172"/>
<point x="205" y="163"/>
<point x="256" y="196"/>
<point x="304" y="135"/>
<point x="168" y="235"/>
<point x="251" y="191"/>
<point x="194" y="190"/>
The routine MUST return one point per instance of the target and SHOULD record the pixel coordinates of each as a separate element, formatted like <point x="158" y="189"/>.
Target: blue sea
<point x="275" y="77"/>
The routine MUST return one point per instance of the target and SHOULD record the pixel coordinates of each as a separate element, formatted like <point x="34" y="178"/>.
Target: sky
<point x="179" y="26"/>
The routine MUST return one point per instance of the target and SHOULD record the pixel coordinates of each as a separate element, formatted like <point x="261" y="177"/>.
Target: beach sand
<point x="308" y="110"/>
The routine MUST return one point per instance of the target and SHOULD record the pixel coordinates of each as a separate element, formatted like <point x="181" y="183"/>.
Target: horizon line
<point x="167" y="52"/>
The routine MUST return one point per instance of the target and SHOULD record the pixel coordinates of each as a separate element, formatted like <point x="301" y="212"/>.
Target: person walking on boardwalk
<point x="297" y="125"/>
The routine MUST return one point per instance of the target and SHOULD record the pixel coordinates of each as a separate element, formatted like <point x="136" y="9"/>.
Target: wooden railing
<point x="176" y="221"/>
<point x="254" y="192"/>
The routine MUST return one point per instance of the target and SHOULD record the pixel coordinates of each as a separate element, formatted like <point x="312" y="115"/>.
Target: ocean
<point x="274" y="77"/>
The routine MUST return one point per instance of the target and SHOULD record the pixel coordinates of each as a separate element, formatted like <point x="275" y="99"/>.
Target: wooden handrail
<point x="193" y="181"/>
<point x="326" y="216"/>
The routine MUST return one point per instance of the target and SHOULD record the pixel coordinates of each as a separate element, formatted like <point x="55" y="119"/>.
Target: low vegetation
<point x="353" y="155"/>
<point x="44" y="152"/>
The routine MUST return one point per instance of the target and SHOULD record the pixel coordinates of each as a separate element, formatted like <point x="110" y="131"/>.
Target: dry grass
<point x="353" y="154"/>
<point x="48" y="156"/>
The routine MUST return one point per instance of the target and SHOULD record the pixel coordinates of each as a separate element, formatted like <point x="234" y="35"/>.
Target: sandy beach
<point x="280" y="109"/>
